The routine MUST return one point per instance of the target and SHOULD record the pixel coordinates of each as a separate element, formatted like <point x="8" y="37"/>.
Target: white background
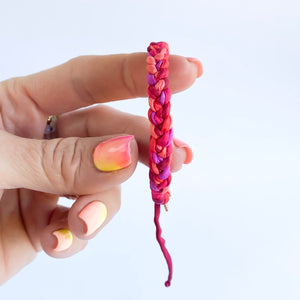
<point x="233" y="227"/>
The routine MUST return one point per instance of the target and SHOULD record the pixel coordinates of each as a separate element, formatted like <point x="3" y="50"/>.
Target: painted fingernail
<point x="188" y="150"/>
<point x="93" y="215"/>
<point x="197" y="63"/>
<point x="113" y="154"/>
<point x="64" y="239"/>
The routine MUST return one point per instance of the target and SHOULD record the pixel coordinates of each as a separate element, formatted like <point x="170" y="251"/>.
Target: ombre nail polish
<point x="93" y="215"/>
<point x="64" y="239"/>
<point x="113" y="154"/>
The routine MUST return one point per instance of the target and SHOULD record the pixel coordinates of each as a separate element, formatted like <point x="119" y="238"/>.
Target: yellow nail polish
<point x="113" y="154"/>
<point x="64" y="239"/>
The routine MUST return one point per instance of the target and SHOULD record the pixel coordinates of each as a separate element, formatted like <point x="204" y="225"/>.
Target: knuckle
<point x="76" y="65"/>
<point x="62" y="162"/>
<point x="127" y="78"/>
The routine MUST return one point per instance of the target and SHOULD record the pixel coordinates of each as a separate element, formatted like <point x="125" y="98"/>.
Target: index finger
<point x="86" y="80"/>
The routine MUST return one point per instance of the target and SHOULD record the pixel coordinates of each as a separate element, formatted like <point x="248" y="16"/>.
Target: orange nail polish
<point x="113" y="154"/>
<point x="93" y="215"/>
<point x="64" y="239"/>
<point x="197" y="63"/>
<point x="188" y="150"/>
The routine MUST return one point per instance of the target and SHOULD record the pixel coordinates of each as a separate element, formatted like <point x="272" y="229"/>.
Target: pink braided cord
<point x="160" y="121"/>
<point x="160" y="151"/>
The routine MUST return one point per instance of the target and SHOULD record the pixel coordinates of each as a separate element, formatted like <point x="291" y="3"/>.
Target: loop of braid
<point x="160" y="150"/>
<point x="160" y="121"/>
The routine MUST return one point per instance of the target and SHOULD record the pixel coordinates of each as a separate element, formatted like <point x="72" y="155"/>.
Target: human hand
<point x="34" y="171"/>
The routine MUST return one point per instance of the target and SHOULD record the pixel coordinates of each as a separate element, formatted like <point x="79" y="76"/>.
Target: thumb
<point x="61" y="166"/>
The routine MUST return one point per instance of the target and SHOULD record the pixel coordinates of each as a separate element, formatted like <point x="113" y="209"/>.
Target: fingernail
<point x="113" y="154"/>
<point x="197" y="63"/>
<point x="188" y="150"/>
<point x="64" y="239"/>
<point x="93" y="215"/>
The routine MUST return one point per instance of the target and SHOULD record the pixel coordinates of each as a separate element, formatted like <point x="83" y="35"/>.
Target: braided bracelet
<point x="160" y="151"/>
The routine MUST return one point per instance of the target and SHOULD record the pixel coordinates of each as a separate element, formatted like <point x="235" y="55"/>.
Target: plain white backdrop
<point x="233" y="227"/>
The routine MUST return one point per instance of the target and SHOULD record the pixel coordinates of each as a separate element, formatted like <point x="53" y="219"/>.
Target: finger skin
<point x="86" y="80"/>
<point x="36" y="209"/>
<point x="103" y="120"/>
<point x="58" y="166"/>
<point x="16" y="248"/>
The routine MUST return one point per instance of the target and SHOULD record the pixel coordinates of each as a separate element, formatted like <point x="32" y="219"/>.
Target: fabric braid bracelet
<point x="160" y="150"/>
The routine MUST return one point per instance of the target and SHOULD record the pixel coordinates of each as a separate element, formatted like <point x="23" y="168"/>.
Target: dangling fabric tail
<point x="161" y="242"/>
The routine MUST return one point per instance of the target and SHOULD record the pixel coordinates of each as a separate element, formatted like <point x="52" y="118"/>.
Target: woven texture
<point x="160" y="150"/>
<point x="161" y="123"/>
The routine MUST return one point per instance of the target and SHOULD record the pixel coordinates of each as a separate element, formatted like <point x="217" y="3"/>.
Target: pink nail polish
<point x="113" y="154"/>
<point x="197" y="63"/>
<point x="64" y="239"/>
<point x="93" y="215"/>
<point x="188" y="150"/>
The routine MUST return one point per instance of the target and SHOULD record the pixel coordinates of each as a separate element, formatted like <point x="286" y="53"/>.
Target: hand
<point x="34" y="171"/>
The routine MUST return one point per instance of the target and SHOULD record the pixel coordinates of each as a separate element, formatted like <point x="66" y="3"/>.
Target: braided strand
<point x="160" y="150"/>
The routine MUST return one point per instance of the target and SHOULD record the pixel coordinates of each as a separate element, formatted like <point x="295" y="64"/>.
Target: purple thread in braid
<point x="170" y="137"/>
<point x="158" y="65"/>
<point x="157" y="159"/>
<point x="153" y="118"/>
<point x="165" y="173"/>
<point x="150" y="79"/>
<point x="162" y="98"/>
